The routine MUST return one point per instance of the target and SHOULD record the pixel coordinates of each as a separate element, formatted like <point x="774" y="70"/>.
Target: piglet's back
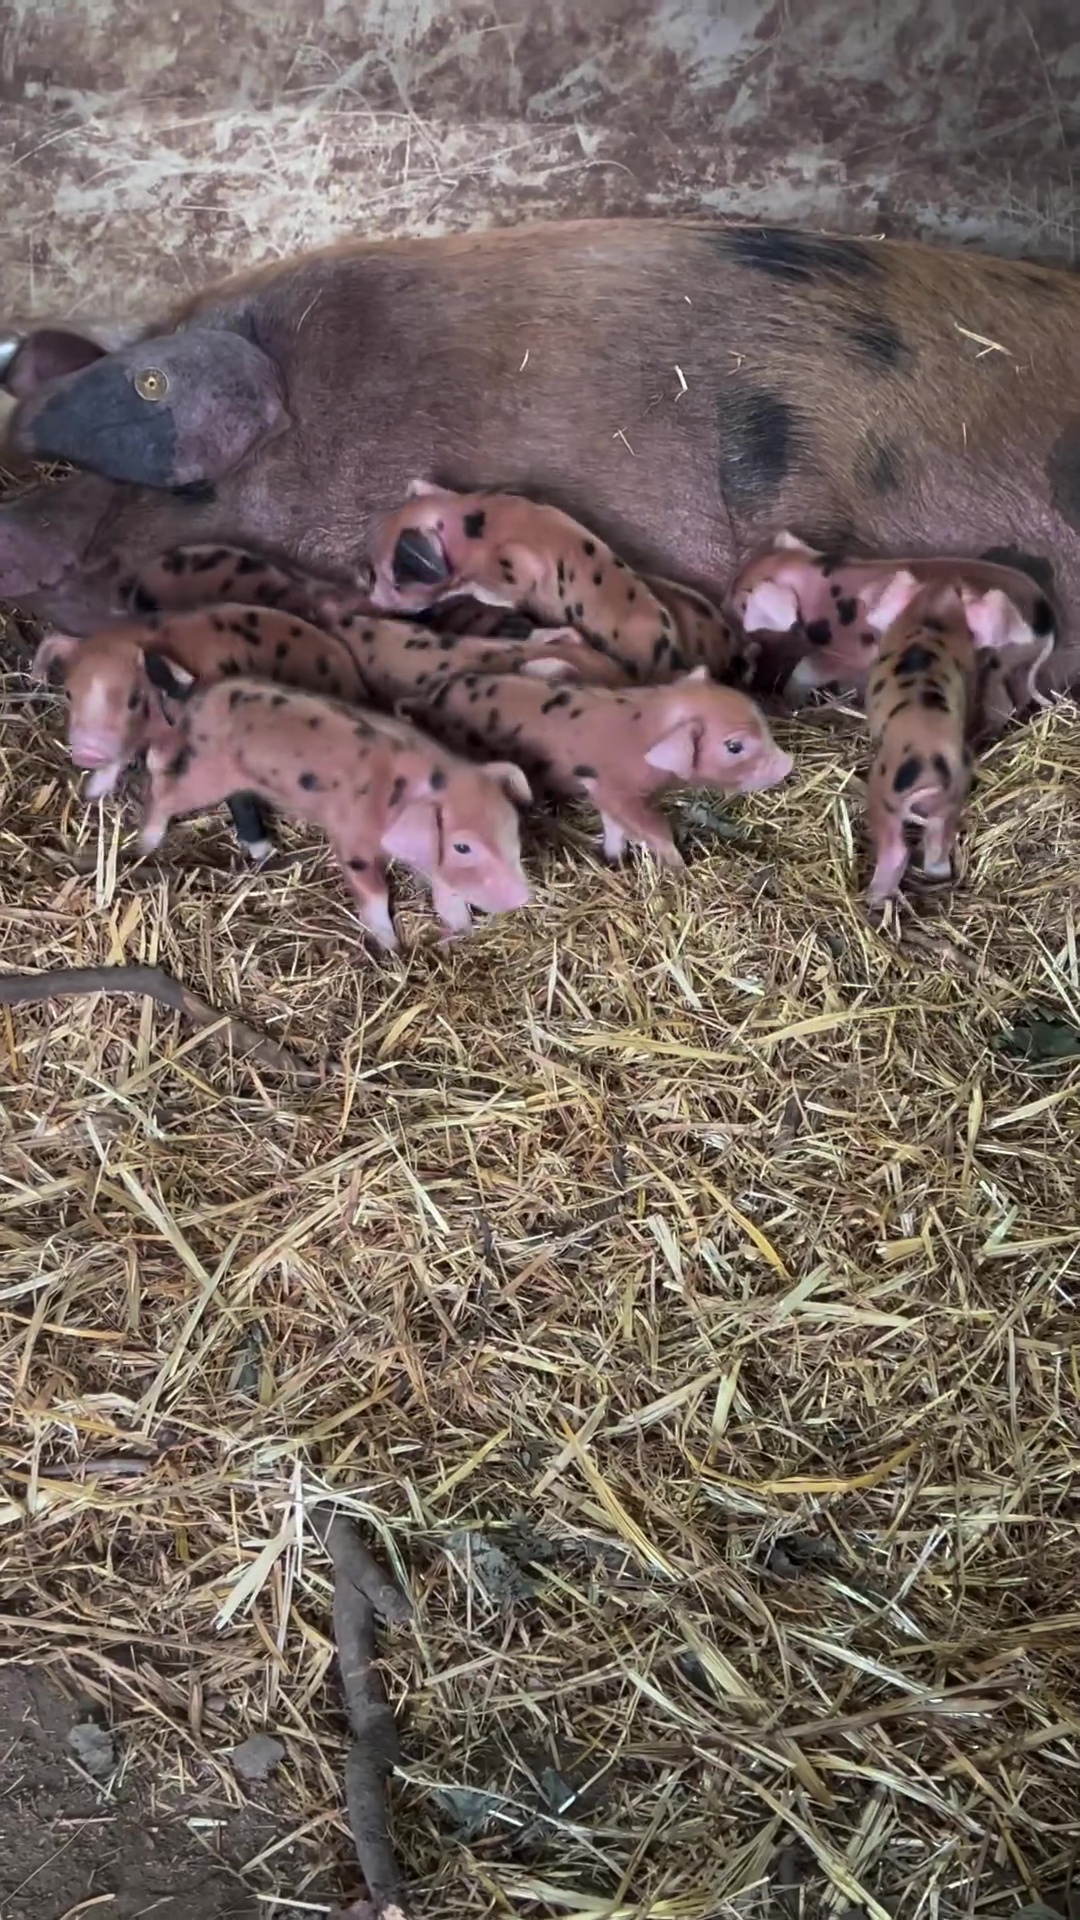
<point x="290" y="746"/>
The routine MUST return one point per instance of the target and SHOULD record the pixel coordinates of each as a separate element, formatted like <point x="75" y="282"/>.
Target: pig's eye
<point x="733" y="746"/>
<point x="462" y="846"/>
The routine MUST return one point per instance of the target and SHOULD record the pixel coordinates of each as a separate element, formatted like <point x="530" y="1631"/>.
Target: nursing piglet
<point x="617" y="748"/>
<point x="507" y="551"/>
<point x="118" y="681"/>
<point x="379" y="788"/>
<point x="917" y="707"/>
<point x="834" y="605"/>
<point x="201" y="576"/>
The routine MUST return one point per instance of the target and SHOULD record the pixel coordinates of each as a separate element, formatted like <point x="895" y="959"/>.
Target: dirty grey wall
<point x="145" y="149"/>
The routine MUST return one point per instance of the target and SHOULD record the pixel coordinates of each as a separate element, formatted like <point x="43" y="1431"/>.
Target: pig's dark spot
<point x="560" y="577"/>
<point x="585" y="773"/>
<point x="785" y="255"/>
<point x="868" y="639"/>
<point x="878" y="341"/>
<point x="560" y="699"/>
<point x="176" y="562"/>
<point x="397" y="790"/>
<point x="878" y="687"/>
<point x="180" y="762"/>
<point x="579" y="610"/>
<point x="473" y="525"/>
<point x="677" y="662"/>
<point x="836" y="590"/>
<point x="437" y="781"/>
<point x="447" y="641"/>
<point x="334" y="684"/>
<point x="846" y="611"/>
<point x="133" y="700"/>
<point x="934" y="700"/>
<point x="322" y="665"/>
<point x="1032" y="564"/>
<point x="310" y="782"/>
<point x="369" y="634"/>
<point x="281" y="651"/>
<point x="1063" y="473"/>
<point x="235" y="697"/>
<point x="900" y="707"/>
<point x="942" y="769"/>
<point x="762" y="438"/>
<point x="359" y="866"/>
<point x="879" y="466"/>
<point x="819" y="632"/>
<point x="631" y="593"/>
<point x="143" y="602"/>
<point x="507" y="572"/>
<point x="278" y="700"/>
<point x="1042" y="618"/>
<point x="219" y="625"/>
<point x="247" y="563"/>
<point x="228" y="668"/>
<point x="907" y="773"/>
<point x="621" y="564"/>
<point x="916" y="659"/>
<point x="588" y="548"/>
<point x="314" y="721"/>
<point x="660" y="647"/>
<point x="598" y="578"/>
<point x="202" y="560"/>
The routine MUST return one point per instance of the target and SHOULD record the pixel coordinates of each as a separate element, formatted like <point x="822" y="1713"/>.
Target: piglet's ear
<point x="677" y="750"/>
<point x="792" y="544"/>
<point x="886" y="599"/>
<point x="511" y="777"/>
<point x="414" y="836"/>
<point x="992" y="619"/>
<point x="771" y="608"/>
<point x="698" y="676"/>
<point x="418" y="489"/>
<point x="168" y="676"/>
<point x="56" y="650"/>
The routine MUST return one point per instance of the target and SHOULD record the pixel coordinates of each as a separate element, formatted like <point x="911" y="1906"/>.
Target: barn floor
<point x="676" y="1280"/>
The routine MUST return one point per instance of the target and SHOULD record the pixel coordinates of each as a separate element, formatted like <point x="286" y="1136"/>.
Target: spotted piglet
<point x="185" y="578"/>
<point x="378" y="787"/>
<point x="917" y="707"/>
<point x="832" y="604"/>
<point x="617" y="749"/>
<point x="506" y="551"/>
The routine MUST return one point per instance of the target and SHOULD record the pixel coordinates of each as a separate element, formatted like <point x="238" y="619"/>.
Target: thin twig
<point x="23" y="989"/>
<point x="361" y="1590"/>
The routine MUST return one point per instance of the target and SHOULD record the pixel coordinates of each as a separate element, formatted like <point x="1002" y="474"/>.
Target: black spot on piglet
<point x="819" y="632"/>
<point x="915" y="659"/>
<point x="420" y="559"/>
<point x="474" y="524"/>
<point x="907" y="773"/>
<point x="310" y="782"/>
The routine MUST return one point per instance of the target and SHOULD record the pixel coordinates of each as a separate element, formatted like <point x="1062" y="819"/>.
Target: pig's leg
<point x="452" y="908"/>
<point x="624" y="816"/>
<point x="366" y="880"/>
<point x="939" y="835"/>
<point x="892" y="857"/>
<point x="172" y="794"/>
<point x="104" y="780"/>
<point x="252" y="825"/>
<point x="804" y="679"/>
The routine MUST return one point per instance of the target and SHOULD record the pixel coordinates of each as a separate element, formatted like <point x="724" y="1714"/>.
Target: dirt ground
<point x="118" y="1848"/>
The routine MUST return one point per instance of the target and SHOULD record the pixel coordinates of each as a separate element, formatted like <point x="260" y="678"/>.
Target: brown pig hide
<point x="684" y="388"/>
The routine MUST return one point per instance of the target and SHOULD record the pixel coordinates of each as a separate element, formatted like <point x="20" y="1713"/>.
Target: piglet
<point x="507" y="551"/>
<point x="617" y="748"/>
<point x="917" y="707"/>
<point x="834" y="605"/>
<point x="191" y="577"/>
<point x="378" y="787"/>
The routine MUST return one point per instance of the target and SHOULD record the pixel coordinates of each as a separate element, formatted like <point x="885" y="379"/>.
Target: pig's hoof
<point x="150" y="839"/>
<point x="937" y="869"/>
<point x="258" y="850"/>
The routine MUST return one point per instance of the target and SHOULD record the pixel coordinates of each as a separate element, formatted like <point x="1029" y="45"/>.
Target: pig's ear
<point x="167" y="413"/>
<point x="992" y="619"/>
<point x="46" y="354"/>
<point x="771" y="608"/>
<point x="678" y="750"/>
<point x="792" y="544"/>
<point x="415" y="836"/>
<point x="886" y="599"/>
<point x="56" y="650"/>
<point x="545" y="668"/>
<point x="168" y="676"/>
<point x="698" y="676"/>
<point x="419" y="489"/>
<point x="511" y="778"/>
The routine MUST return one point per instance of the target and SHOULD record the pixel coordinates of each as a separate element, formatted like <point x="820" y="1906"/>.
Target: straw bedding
<point x="675" y="1281"/>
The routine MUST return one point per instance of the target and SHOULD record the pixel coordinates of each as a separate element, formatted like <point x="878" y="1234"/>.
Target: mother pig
<point x="685" y="388"/>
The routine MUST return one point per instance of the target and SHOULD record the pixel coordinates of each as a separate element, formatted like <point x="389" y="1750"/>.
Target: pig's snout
<point x="91" y="749"/>
<point x="768" y="772"/>
<point x="502" y="894"/>
<point x="419" y="560"/>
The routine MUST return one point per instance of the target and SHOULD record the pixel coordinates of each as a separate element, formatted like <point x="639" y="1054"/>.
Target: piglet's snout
<point x="91" y="749"/>
<point x="768" y="771"/>
<point x="503" y="893"/>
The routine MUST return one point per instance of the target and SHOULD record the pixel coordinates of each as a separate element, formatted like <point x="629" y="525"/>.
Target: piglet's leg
<point x="939" y="835"/>
<point x="193" y="791"/>
<point x="805" y="678"/>
<point x="252" y="825"/>
<point x="625" y="817"/>
<point x="452" y="908"/>
<point x="366" y="880"/>
<point x="104" y="780"/>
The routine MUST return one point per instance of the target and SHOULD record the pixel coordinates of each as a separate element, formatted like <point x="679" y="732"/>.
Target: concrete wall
<point x="145" y="148"/>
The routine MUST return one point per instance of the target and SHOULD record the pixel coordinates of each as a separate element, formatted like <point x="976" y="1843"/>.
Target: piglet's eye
<point x="462" y="846"/>
<point x="733" y="746"/>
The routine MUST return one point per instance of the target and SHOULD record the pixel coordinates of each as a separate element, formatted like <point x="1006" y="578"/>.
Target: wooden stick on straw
<point x="361" y="1591"/>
